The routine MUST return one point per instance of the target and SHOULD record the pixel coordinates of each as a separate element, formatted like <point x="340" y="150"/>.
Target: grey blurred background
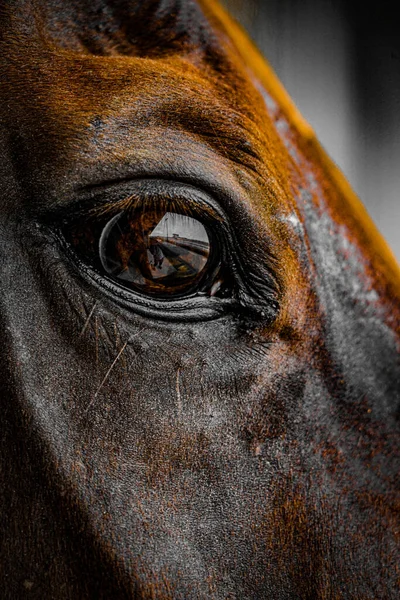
<point x="340" y="63"/>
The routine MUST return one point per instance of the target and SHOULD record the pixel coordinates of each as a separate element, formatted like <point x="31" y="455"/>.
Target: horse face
<point x="199" y="323"/>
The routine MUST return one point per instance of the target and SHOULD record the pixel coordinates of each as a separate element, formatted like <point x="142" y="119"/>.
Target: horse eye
<point x="150" y="250"/>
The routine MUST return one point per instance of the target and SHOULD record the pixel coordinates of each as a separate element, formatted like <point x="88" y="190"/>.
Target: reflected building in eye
<point x="174" y="227"/>
<point x="179" y="245"/>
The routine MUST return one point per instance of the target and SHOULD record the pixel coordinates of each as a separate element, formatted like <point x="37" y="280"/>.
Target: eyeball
<point x="155" y="251"/>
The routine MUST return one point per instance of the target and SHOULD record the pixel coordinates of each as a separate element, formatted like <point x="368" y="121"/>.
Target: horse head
<point x="199" y="321"/>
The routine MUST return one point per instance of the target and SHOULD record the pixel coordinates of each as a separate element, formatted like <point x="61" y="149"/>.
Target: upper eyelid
<point x="131" y="202"/>
<point x="109" y="201"/>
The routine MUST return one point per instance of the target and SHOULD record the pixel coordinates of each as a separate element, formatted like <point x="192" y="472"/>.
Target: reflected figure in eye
<point x="155" y="249"/>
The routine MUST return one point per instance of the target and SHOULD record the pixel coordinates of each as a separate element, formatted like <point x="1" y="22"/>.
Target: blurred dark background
<point x="340" y="63"/>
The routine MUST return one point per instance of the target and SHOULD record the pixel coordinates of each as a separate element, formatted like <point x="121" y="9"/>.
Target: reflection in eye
<point x="157" y="252"/>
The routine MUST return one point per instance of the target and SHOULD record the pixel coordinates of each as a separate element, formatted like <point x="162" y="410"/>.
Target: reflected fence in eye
<point x="187" y="231"/>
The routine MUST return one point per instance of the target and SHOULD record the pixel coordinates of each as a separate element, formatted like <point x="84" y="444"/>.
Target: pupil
<point x="155" y="251"/>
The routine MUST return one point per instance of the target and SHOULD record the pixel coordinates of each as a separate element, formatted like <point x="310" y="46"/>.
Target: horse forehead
<point x="74" y="62"/>
<point x="37" y="34"/>
<point x="73" y="87"/>
<point x="142" y="27"/>
<point x="84" y="109"/>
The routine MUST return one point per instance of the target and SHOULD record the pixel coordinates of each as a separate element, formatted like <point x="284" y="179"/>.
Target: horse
<point x="199" y="322"/>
